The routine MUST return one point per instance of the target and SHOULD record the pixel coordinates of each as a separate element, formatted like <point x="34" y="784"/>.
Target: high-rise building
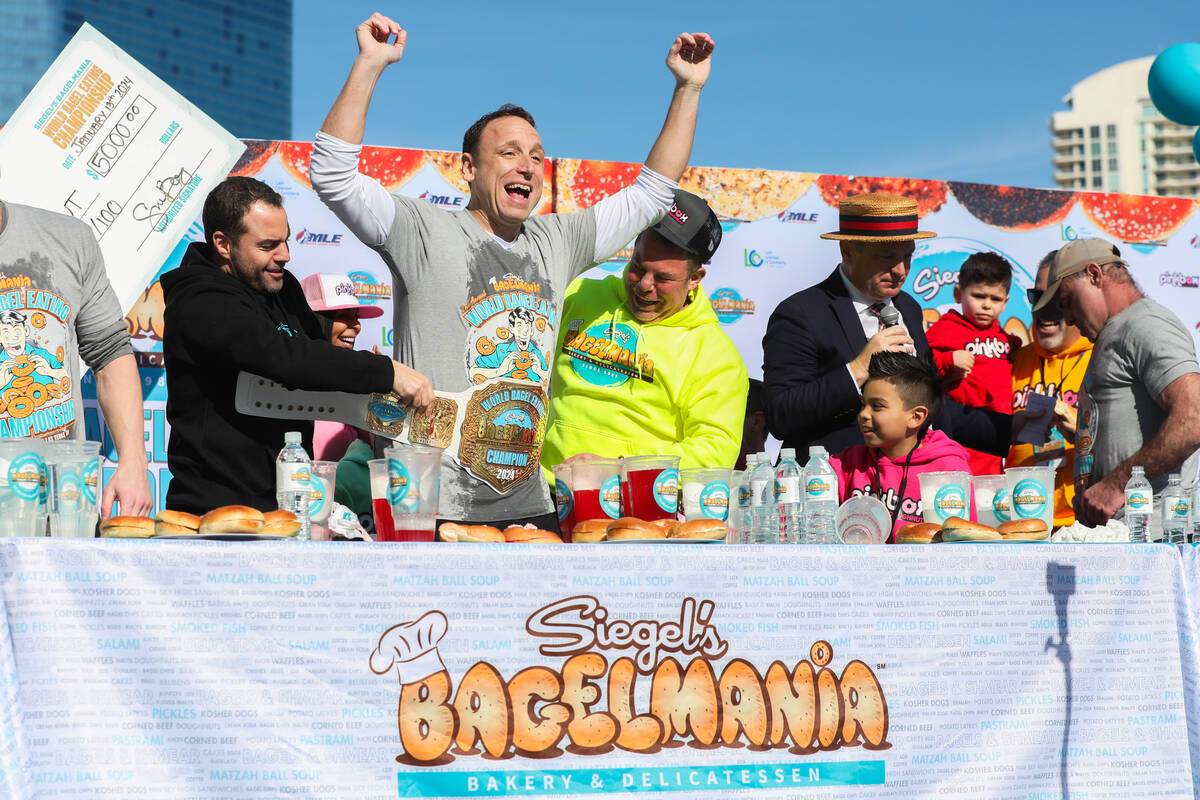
<point x="234" y="61"/>
<point x="1114" y="140"/>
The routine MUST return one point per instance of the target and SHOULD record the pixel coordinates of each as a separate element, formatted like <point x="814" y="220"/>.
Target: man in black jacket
<point x="819" y="341"/>
<point x="231" y="306"/>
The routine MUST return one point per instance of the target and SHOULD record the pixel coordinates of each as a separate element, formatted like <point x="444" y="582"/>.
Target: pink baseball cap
<point x="328" y="291"/>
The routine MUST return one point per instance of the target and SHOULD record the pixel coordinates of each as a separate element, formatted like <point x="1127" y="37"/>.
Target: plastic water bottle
<point x="820" y="497"/>
<point x="1139" y="505"/>
<point x="293" y="475"/>
<point x="1175" y="502"/>
<point x="763" y="513"/>
<point x="788" y="498"/>
<point x="1194" y="513"/>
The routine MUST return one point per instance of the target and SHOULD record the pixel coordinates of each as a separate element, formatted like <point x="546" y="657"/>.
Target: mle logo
<point x="305" y="236"/>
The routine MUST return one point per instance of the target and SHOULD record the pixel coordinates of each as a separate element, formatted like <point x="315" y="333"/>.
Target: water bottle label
<point x="714" y="500"/>
<point x="1030" y="499"/>
<point x="819" y="488"/>
<point x="745" y="496"/>
<point x="1178" y="509"/>
<point x="787" y="490"/>
<point x="25" y="476"/>
<point x="950" y="501"/>
<point x="90" y="480"/>
<point x="563" y="499"/>
<point x="666" y="490"/>
<point x="758" y="493"/>
<point x="318" y="489"/>
<point x="610" y="496"/>
<point x="398" y="481"/>
<point x="291" y="477"/>
<point x="1137" y="501"/>
<point x="1001" y="505"/>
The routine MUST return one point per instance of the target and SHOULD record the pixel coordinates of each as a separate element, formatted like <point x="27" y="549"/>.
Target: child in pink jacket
<point x="903" y="393"/>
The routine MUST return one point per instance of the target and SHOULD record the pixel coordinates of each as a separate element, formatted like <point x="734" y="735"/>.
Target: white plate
<point x="661" y="541"/>
<point x="225" y="537"/>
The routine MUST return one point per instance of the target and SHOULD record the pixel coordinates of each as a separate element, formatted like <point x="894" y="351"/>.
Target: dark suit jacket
<point x="809" y="395"/>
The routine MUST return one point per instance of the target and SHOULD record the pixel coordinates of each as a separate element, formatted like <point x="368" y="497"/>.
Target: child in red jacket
<point x="972" y="352"/>
<point x="902" y="394"/>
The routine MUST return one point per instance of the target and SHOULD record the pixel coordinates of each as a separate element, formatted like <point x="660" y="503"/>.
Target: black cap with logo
<point x="692" y="225"/>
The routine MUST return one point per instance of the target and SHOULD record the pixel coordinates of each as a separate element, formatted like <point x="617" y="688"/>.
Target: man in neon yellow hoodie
<point x="642" y="366"/>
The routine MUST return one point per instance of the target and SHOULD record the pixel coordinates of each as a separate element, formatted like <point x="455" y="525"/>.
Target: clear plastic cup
<point x="945" y="495"/>
<point x="412" y="492"/>
<point x="863" y="520"/>
<point x="323" y="480"/>
<point x="596" y="488"/>
<point x="1031" y="493"/>
<point x="704" y="492"/>
<point x="564" y="500"/>
<point x="385" y="529"/>
<point x="650" y="486"/>
<point x="24" y="488"/>
<point x="992" y="504"/>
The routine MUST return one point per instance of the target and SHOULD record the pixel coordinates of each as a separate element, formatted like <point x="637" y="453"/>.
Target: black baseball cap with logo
<point x="692" y="225"/>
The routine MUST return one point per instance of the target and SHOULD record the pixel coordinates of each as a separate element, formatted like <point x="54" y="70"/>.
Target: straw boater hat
<point x="877" y="218"/>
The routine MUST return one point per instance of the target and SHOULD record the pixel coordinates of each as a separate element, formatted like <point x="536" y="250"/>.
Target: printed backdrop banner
<point x="771" y="246"/>
<point x="167" y="669"/>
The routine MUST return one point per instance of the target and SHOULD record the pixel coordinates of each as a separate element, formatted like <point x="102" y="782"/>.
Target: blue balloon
<point x="1174" y="83"/>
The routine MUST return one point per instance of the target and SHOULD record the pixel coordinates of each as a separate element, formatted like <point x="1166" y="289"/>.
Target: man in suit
<point x="820" y="340"/>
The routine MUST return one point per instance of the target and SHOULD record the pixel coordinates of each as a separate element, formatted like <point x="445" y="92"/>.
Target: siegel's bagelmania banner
<point x="168" y="669"/>
<point x="771" y="246"/>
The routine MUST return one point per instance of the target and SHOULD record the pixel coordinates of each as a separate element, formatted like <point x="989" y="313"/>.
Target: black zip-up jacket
<point x="214" y="327"/>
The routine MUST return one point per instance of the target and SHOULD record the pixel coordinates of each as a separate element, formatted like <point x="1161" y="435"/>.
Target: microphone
<point x="889" y="317"/>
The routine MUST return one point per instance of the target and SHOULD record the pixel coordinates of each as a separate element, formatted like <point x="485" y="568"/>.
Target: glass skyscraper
<point x="233" y="61"/>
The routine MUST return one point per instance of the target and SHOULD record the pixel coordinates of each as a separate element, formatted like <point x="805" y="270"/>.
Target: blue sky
<point x="959" y="90"/>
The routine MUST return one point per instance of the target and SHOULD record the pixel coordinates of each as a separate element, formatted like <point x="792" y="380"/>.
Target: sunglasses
<point x="1050" y="313"/>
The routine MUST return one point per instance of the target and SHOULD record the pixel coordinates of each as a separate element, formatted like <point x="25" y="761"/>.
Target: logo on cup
<point x="666" y="490"/>
<point x="91" y="478"/>
<point x="1001" y="505"/>
<point x="316" y="497"/>
<point x="398" y="481"/>
<point x="563" y="498"/>
<point x="714" y="500"/>
<point x="610" y="496"/>
<point x="745" y="496"/>
<point x="950" y="501"/>
<point x="25" y="476"/>
<point x="1029" y="499"/>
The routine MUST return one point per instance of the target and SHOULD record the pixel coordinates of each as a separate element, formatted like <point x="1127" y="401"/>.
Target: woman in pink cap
<point x="333" y="297"/>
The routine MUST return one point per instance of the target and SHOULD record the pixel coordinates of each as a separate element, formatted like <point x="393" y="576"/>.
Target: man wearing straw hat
<point x="819" y="341"/>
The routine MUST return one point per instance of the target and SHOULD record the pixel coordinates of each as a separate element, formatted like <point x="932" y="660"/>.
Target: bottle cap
<point x="291" y="437"/>
<point x="788" y="452"/>
<point x="816" y="450"/>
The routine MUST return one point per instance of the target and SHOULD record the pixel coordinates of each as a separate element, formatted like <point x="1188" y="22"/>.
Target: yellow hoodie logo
<point x="606" y="355"/>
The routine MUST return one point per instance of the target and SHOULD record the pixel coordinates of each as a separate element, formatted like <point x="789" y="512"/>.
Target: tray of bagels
<point x="227" y="523"/>
<point x="957" y="529"/>
<point x="624" y="529"/>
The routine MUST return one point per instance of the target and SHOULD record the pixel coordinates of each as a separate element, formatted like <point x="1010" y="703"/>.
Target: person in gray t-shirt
<point x="478" y="291"/>
<point x="57" y="307"/>
<point x="1140" y="400"/>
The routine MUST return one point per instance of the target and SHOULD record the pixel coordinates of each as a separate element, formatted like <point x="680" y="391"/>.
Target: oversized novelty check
<point x="104" y="140"/>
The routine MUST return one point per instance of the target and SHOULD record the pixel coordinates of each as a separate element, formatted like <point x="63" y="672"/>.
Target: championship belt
<point x="494" y="431"/>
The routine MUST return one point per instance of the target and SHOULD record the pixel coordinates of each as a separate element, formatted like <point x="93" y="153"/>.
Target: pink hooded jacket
<point x="865" y="470"/>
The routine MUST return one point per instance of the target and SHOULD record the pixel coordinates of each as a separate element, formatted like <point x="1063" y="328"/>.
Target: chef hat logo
<point x="411" y="647"/>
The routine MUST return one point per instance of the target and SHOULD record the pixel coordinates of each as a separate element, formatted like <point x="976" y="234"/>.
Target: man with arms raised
<point x="819" y="341"/>
<point x="458" y="275"/>
<point x="230" y="306"/>
<point x="1140" y="402"/>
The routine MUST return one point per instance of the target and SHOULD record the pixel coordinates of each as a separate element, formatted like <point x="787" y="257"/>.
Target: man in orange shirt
<point x="1052" y="364"/>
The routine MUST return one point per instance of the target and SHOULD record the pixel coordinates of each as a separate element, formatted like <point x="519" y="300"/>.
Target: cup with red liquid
<point x="650" y="486"/>
<point x="412" y="491"/>
<point x="564" y="500"/>
<point x="385" y="530"/>
<point x="596" y="488"/>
